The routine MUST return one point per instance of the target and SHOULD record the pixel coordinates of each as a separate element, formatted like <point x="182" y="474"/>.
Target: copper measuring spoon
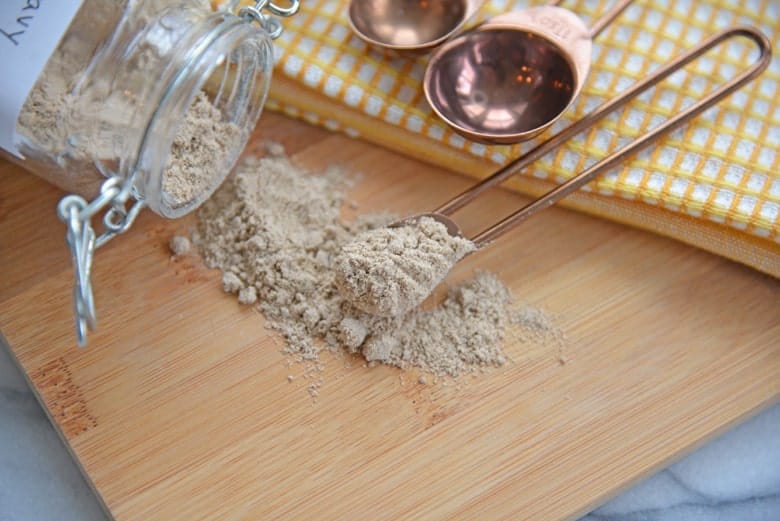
<point x="409" y="25"/>
<point x="444" y="213"/>
<point x="510" y="78"/>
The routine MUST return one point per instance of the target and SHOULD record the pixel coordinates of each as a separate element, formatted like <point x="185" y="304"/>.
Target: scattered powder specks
<point x="390" y="270"/>
<point x="231" y="283"/>
<point x="274" y="149"/>
<point x="179" y="245"/>
<point x="247" y="295"/>
<point x="534" y="326"/>
<point x="275" y="232"/>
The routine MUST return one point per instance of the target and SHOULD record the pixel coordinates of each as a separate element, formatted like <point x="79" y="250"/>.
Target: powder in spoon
<point x="390" y="270"/>
<point x="275" y="232"/>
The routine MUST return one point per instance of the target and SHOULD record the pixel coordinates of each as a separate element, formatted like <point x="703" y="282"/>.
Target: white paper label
<point x="29" y="32"/>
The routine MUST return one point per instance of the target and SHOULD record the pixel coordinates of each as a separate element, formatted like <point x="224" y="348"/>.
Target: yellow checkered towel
<point x="714" y="184"/>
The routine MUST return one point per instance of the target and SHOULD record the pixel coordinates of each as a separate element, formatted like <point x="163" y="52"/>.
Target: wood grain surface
<point x="180" y="408"/>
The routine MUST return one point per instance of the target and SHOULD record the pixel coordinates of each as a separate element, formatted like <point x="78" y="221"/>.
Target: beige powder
<point x="198" y="150"/>
<point x="275" y="232"/>
<point x="45" y="121"/>
<point x="464" y="332"/>
<point x="391" y="270"/>
<point x="179" y="245"/>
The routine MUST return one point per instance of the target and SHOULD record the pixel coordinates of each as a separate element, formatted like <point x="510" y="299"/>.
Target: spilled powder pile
<point x="275" y="232"/>
<point x="389" y="271"/>
<point x="463" y="332"/>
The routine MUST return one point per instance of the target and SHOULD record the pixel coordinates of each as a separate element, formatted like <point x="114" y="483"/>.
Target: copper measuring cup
<point x="511" y="77"/>
<point x="409" y="25"/>
<point x="444" y="213"/>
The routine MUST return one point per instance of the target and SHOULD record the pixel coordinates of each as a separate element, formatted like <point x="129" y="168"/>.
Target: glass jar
<point x="165" y="93"/>
<point x="142" y="103"/>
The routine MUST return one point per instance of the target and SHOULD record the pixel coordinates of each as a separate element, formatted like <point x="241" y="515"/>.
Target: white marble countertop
<point x="733" y="478"/>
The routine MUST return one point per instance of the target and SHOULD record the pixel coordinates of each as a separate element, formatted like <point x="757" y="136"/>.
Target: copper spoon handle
<point x="606" y="19"/>
<point x="553" y="196"/>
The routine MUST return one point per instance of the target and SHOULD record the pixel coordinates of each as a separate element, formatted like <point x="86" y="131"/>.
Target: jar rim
<point x="216" y="40"/>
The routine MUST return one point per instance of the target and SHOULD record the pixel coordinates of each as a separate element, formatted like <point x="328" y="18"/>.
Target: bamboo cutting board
<point x="180" y="408"/>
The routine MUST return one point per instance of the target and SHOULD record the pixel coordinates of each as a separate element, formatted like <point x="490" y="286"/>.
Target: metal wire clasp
<point x="272" y="25"/>
<point x="82" y="241"/>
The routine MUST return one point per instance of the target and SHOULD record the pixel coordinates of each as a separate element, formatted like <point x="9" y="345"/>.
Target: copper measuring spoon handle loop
<point x="514" y="167"/>
<point x="606" y="19"/>
<point x="551" y="197"/>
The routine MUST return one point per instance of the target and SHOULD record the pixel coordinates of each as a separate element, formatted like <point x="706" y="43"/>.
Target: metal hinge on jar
<point x="271" y="24"/>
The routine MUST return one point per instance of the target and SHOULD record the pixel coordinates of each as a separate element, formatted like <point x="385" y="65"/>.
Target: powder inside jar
<point x="198" y="151"/>
<point x="390" y="270"/>
<point x="76" y="132"/>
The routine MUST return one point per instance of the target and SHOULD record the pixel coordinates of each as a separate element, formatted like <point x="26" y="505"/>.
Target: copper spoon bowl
<point x="512" y="77"/>
<point x="409" y="25"/>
